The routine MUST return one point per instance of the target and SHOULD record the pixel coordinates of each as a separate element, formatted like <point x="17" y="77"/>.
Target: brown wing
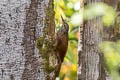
<point x="62" y="45"/>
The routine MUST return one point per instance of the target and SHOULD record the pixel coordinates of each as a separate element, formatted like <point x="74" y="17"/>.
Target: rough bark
<point x="21" y="23"/>
<point x="90" y="59"/>
<point x="91" y="64"/>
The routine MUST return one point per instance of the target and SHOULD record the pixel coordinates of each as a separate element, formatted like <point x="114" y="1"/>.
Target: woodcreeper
<point x="62" y="39"/>
<point x="62" y="43"/>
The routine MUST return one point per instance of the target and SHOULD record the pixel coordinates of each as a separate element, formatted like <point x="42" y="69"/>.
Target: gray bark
<point x="90" y="56"/>
<point x="21" y="22"/>
<point x="91" y="64"/>
<point x="90" y="59"/>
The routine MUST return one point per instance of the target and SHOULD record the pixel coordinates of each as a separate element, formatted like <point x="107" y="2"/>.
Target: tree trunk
<point x="90" y="59"/>
<point x="21" y="23"/>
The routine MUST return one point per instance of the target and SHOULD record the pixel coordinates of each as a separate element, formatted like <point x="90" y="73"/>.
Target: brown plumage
<point x="62" y="39"/>
<point x="62" y="44"/>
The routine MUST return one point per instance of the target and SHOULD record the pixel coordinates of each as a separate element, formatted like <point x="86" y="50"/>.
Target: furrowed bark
<point x="90" y="59"/>
<point x="21" y="23"/>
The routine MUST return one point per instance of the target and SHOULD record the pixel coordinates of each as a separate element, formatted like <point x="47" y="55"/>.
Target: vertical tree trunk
<point x="90" y="60"/>
<point x="21" y="23"/>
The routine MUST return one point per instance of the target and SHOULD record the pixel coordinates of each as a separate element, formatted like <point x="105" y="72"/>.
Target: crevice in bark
<point x="90" y="58"/>
<point x="31" y="63"/>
